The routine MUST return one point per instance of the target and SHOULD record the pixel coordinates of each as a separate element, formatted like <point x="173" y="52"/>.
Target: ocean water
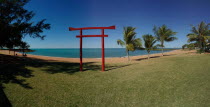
<point x="89" y="52"/>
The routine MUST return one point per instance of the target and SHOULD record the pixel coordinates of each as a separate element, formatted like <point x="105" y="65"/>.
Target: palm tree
<point x="200" y="34"/>
<point x="130" y="41"/>
<point x="149" y="42"/>
<point x="164" y="34"/>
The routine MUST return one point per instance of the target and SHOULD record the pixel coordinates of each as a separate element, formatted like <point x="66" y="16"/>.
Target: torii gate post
<point x="102" y="41"/>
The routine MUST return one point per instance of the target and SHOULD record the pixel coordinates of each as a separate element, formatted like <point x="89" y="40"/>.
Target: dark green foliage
<point x="23" y="46"/>
<point x="15" y="23"/>
<point x="200" y="34"/>
<point x="184" y="46"/>
<point x="200" y="51"/>
<point x="190" y="46"/>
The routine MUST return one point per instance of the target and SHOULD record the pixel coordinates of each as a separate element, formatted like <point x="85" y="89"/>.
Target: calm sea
<point x="88" y="52"/>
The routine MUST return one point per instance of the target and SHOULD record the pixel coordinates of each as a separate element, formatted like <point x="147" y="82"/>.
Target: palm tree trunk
<point x="162" y="51"/>
<point x="201" y="48"/>
<point x="204" y="46"/>
<point x="148" y="55"/>
<point x="128" y="55"/>
<point x="200" y="45"/>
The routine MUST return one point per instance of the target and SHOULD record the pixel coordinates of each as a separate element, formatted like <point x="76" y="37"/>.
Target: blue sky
<point x="142" y="14"/>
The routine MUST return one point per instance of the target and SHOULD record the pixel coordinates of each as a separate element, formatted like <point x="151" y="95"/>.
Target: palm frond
<point x="206" y="39"/>
<point x="170" y="39"/>
<point x="194" y="30"/>
<point x="130" y="47"/>
<point x="149" y="42"/>
<point x="120" y="42"/>
<point x="159" y="46"/>
<point x="129" y="34"/>
<point x="137" y="43"/>
<point x="130" y="41"/>
<point x="192" y="37"/>
<point x="163" y="33"/>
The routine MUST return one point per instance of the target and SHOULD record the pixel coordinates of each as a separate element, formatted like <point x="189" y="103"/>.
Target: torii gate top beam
<point x="86" y="28"/>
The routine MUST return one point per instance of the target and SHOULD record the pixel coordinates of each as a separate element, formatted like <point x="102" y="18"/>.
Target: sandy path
<point x="107" y="60"/>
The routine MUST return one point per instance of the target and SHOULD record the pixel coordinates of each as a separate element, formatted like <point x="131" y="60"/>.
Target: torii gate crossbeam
<point x="102" y="41"/>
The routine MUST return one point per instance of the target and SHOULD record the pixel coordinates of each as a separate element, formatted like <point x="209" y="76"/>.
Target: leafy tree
<point x="164" y="34"/>
<point x="15" y="23"/>
<point x="130" y="41"/>
<point x="149" y="43"/>
<point x="23" y="46"/>
<point x="191" y="46"/>
<point x="184" y="46"/>
<point x="200" y="34"/>
<point x="10" y="46"/>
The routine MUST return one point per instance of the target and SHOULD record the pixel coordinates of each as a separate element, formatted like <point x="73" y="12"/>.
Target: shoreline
<point x="107" y="60"/>
<point x="95" y="58"/>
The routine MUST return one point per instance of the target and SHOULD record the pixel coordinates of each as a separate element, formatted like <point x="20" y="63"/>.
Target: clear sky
<point x="142" y="14"/>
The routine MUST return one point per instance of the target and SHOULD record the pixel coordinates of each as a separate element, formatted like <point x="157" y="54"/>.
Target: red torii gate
<point x="102" y="41"/>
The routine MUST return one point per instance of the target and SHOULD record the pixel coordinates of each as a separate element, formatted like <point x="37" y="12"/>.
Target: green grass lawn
<point x="172" y="81"/>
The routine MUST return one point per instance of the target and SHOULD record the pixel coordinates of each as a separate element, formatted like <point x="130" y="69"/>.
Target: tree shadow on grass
<point x="13" y="67"/>
<point x="10" y="69"/>
<point x="151" y="57"/>
<point x="4" y="101"/>
<point x="71" y="68"/>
